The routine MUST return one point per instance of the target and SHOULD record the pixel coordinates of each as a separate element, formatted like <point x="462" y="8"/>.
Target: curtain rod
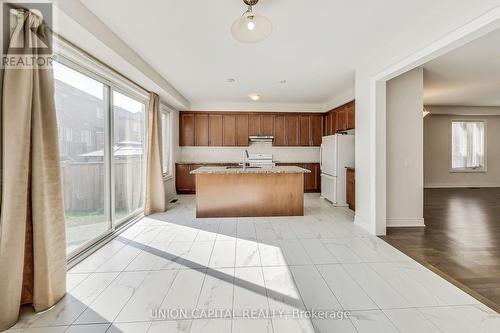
<point x="93" y="58"/>
<point x="22" y="10"/>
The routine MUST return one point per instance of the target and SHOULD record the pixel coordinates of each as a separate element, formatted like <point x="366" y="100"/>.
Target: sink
<point x="240" y="167"/>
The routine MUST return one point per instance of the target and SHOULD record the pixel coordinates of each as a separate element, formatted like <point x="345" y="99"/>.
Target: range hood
<point x="261" y="138"/>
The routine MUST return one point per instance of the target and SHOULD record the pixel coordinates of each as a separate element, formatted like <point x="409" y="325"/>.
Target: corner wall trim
<point x="416" y="222"/>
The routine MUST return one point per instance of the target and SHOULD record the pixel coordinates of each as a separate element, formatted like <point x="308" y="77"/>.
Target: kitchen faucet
<point x="245" y="156"/>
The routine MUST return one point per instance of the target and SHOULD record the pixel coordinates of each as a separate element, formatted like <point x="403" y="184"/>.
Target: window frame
<point x="71" y="56"/>
<point x="169" y="112"/>
<point x="450" y="149"/>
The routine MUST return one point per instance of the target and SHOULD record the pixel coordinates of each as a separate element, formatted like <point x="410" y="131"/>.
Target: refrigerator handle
<point x="321" y="157"/>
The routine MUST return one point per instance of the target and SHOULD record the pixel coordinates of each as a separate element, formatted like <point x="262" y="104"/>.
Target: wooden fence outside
<point x="84" y="186"/>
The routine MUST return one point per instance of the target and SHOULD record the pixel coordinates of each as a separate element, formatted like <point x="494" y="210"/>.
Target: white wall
<point x="437" y="153"/>
<point x="405" y="183"/>
<point x="450" y="24"/>
<point x="76" y="23"/>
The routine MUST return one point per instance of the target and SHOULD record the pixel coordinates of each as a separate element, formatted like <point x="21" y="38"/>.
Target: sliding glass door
<point x="102" y="138"/>
<point x="81" y="104"/>
<point x="128" y="155"/>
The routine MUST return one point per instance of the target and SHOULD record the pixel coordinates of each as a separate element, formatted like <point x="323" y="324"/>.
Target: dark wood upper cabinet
<point x="304" y="131"/>
<point x="292" y="130"/>
<point x="186" y="133"/>
<point x="316" y="124"/>
<point x="215" y="130"/>
<point x="234" y="128"/>
<point x="242" y="129"/>
<point x="279" y="131"/>
<point x="329" y="121"/>
<point x="342" y="119"/>
<point x="334" y="123"/>
<point x="201" y="130"/>
<point x="254" y="124"/>
<point x="351" y="116"/>
<point x="229" y="130"/>
<point x="326" y="123"/>
<point x="267" y="124"/>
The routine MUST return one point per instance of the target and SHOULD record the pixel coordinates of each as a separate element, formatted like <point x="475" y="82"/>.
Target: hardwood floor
<point x="461" y="239"/>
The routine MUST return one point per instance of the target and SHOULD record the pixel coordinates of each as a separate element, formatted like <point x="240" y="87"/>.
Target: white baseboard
<point x="459" y="185"/>
<point x="416" y="222"/>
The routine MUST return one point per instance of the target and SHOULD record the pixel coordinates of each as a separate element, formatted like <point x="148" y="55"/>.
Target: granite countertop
<point x="224" y="170"/>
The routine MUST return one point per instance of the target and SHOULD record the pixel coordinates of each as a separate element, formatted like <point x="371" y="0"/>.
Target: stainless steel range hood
<point x="261" y="138"/>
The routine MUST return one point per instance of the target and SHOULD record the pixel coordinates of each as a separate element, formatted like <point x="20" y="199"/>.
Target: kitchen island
<point x="244" y="192"/>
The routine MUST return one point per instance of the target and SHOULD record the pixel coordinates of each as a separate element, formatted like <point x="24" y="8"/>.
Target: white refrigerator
<point x="337" y="152"/>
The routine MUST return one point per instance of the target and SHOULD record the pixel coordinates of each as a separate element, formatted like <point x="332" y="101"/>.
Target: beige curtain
<point x="155" y="189"/>
<point x="32" y="235"/>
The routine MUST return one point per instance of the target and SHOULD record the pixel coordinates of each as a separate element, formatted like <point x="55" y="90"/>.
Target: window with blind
<point x="468" y="145"/>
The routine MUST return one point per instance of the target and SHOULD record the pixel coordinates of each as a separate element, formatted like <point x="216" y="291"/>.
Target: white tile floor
<point x="319" y="261"/>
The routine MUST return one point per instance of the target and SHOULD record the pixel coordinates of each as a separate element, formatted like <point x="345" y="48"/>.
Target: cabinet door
<point x="292" y="130"/>
<point x="184" y="182"/>
<point x="351" y="116"/>
<point x="311" y="179"/>
<point x="333" y="122"/>
<point x="316" y="123"/>
<point x="229" y="130"/>
<point x="186" y="133"/>
<point x="341" y="120"/>
<point x="304" y="131"/>
<point x="254" y="124"/>
<point x="215" y="130"/>
<point x="279" y="131"/>
<point x="267" y="124"/>
<point x="201" y="130"/>
<point x="242" y="130"/>
<point x="326" y="124"/>
<point x="350" y="189"/>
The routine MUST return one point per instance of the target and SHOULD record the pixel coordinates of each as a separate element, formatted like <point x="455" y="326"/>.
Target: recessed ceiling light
<point x="231" y="80"/>
<point x="254" y="97"/>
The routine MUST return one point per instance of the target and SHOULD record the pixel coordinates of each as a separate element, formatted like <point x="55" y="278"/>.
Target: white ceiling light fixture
<point x="254" y="97"/>
<point x="251" y="27"/>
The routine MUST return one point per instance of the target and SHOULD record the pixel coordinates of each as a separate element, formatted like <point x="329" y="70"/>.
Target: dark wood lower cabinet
<point x="185" y="183"/>
<point x="351" y="188"/>
<point x="312" y="180"/>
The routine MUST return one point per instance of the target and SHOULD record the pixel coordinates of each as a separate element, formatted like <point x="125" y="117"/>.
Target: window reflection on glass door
<point x="81" y="104"/>
<point x="128" y="155"/>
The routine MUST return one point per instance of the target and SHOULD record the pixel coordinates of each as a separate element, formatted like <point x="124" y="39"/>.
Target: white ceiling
<point x="315" y="46"/>
<point x="467" y="76"/>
